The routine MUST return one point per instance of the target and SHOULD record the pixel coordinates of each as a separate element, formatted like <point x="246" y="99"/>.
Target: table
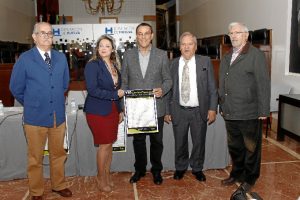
<point x="289" y="116"/>
<point x="81" y="160"/>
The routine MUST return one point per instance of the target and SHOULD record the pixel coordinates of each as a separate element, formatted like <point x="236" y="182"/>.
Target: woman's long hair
<point x="114" y="57"/>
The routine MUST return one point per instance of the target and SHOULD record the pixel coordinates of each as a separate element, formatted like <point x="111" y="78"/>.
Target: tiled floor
<point x="280" y="180"/>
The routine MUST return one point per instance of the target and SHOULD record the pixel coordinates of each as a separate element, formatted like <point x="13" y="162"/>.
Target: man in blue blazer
<point x="147" y="67"/>
<point x="193" y="105"/>
<point x="38" y="81"/>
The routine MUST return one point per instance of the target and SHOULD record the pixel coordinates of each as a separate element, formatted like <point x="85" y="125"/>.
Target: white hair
<point x="232" y="24"/>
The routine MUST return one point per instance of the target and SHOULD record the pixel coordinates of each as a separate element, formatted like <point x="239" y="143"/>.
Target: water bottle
<point x="1" y="108"/>
<point x="73" y="106"/>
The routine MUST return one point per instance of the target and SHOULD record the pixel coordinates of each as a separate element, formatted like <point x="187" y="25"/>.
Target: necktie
<point x="47" y="59"/>
<point x="185" y="83"/>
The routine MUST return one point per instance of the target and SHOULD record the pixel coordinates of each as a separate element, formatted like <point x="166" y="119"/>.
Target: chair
<point x="213" y="51"/>
<point x="276" y="90"/>
<point x="176" y="52"/>
<point x="261" y="36"/>
<point x="250" y="36"/>
<point x="226" y="40"/>
<point x="202" y="50"/>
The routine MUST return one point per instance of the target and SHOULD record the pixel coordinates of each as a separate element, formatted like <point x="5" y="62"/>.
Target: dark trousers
<point x="190" y="119"/>
<point x="244" y="139"/>
<point x="156" y="149"/>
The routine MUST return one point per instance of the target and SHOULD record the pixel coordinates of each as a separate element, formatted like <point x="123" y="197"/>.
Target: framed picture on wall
<point x="294" y="58"/>
<point x="108" y="20"/>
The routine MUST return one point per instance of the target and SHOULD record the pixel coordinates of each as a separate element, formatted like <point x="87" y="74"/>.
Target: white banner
<point x="124" y="34"/>
<point x="73" y="33"/>
<point x="89" y="33"/>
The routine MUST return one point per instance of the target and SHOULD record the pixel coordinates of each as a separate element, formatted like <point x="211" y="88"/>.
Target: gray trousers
<point x="190" y="119"/>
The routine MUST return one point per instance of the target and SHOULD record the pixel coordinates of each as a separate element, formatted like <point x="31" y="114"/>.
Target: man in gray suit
<point x="146" y="67"/>
<point x="192" y="105"/>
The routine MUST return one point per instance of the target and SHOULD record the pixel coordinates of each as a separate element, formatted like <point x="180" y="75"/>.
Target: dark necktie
<point x="47" y="60"/>
<point x="185" y="83"/>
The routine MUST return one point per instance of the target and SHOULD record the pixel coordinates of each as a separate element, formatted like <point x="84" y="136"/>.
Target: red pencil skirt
<point x="104" y="128"/>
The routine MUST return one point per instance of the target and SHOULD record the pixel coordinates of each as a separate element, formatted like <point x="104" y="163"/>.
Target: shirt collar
<point x="43" y="52"/>
<point x="149" y="49"/>
<point x="190" y="60"/>
<point x="237" y="50"/>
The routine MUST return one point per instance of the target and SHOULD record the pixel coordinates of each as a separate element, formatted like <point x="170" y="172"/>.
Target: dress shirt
<point x="144" y="60"/>
<point x="193" y="101"/>
<point x="235" y="54"/>
<point x="43" y="53"/>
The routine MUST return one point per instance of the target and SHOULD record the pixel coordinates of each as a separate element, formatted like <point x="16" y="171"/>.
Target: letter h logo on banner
<point x="56" y="32"/>
<point x="109" y="31"/>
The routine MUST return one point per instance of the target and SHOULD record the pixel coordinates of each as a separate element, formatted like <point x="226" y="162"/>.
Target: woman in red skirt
<point x="102" y="105"/>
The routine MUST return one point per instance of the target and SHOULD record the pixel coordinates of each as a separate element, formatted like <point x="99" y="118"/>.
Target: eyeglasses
<point x="147" y="34"/>
<point x="44" y="34"/>
<point x="235" y="33"/>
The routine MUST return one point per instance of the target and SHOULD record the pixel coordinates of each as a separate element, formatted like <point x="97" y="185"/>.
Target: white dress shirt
<point x="193" y="101"/>
<point x="43" y="52"/>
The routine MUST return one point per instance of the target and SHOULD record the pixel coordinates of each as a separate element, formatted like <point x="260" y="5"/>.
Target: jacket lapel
<point x="53" y="59"/>
<point x="103" y="68"/>
<point x="199" y="71"/>
<point x="151" y="63"/>
<point x="176" y="79"/>
<point x="136" y="63"/>
<point x="39" y="59"/>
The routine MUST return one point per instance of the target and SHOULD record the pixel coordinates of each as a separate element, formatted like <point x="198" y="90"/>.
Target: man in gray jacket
<point x="244" y="97"/>
<point x="147" y="67"/>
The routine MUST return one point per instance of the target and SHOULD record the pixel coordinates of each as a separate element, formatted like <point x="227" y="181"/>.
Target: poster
<point x="140" y="112"/>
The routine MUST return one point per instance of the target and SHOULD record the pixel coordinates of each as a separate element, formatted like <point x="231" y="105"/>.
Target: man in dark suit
<point x="147" y="67"/>
<point x="38" y="81"/>
<point x="192" y="105"/>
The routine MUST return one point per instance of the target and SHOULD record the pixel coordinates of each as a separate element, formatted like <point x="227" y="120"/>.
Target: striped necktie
<point x="47" y="59"/>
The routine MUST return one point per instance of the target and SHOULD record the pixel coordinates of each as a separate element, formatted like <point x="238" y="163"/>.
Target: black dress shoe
<point x="228" y="181"/>
<point x="157" y="179"/>
<point x="199" y="176"/>
<point x="137" y="176"/>
<point x="178" y="174"/>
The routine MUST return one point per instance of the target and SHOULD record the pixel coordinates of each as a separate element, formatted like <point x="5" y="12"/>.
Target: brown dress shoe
<point x="228" y="181"/>
<point x="64" y="192"/>
<point x="37" y="198"/>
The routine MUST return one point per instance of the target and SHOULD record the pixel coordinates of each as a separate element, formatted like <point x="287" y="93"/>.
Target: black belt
<point x="188" y="107"/>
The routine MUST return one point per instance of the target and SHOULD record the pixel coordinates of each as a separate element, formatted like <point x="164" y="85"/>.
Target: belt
<point x="188" y="107"/>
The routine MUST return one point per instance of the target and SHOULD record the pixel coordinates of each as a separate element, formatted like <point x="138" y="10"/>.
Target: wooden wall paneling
<point x="216" y="66"/>
<point x="5" y="94"/>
